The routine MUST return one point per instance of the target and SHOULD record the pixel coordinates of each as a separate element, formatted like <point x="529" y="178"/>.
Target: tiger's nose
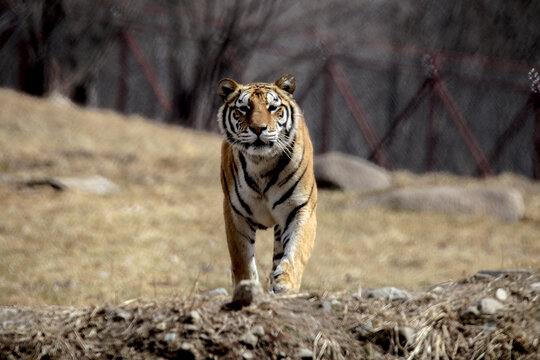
<point x="257" y="129"/>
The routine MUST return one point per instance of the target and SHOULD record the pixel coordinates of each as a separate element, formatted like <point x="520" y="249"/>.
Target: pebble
<point x="216" y="292"/>
<point x="249" y="339"/>
<point x="489" y="306"/>
<point x="501" y="294"/>
<point x="247" y="355"/>
<point x="169" y="337"/>
<point x="536" y="286"/>
<point x="257" y="330"/>
<point x="408" y="334"/>
<point x="303" y="353"/>
<point x="193" y="317"/>
<point x="161" y="326"/>
<point x="326" y="306"/>
<point x="390" y="293"/>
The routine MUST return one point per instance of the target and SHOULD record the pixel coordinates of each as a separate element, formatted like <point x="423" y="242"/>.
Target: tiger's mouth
<point x="259" y="143"/>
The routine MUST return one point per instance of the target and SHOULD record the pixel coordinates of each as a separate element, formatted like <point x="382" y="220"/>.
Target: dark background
<point x="419" y="85"/>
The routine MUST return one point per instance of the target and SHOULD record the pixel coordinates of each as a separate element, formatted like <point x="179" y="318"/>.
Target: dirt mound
<point x="445" y="321"/>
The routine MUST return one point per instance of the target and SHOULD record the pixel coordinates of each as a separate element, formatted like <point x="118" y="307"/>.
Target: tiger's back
<point x="267" y="178"/>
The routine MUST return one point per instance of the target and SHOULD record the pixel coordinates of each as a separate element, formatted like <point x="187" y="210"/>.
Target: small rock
<point x="122" y="315"/>
<point x="501" y="294"/>
<point x="192" y="328"/>
<point x="470" y="313"/>
<point x="489" y="306"/>
<point x="161" y="326"/>
<point x="407" y="336"/>
<point x="340" y="171"/>
<point x="390" y="293"/>
<point x="169" y="337"/>
<point x="247" y="292"/>
<point x="215" y="292"/>
<point x="193" y="317"/>
<point x="535" y="286"/>
<point x="247" y="355"/>
<point x="326" y="306"/>
<point x="257" y="330"/>
<point x="249" y="339"/>
<point x="303" y="353"/>
<point x="186" y="346"/>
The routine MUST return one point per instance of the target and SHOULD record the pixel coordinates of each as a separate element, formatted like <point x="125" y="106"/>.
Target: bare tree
<point x="211" y="39"/>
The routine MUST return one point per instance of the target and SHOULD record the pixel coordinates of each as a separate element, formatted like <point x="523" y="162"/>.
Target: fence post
<point x="431" y="134"/>
<point x="535" y="95"/>
<point x="121" y="96"/>
<point x="536" y="136"/>
<point x="326" y="112"/>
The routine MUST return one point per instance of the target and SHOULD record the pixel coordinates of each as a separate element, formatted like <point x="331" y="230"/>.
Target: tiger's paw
<point x="281" y="282"/>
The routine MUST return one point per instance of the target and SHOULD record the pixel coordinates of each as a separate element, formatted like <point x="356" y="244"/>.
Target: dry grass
<point x="162" y="234"/>
<point x="336" y="326"/>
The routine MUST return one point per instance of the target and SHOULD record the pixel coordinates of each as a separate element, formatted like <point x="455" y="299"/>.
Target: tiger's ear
<point x="286" y="82"/>
<point x="226" y="87"/>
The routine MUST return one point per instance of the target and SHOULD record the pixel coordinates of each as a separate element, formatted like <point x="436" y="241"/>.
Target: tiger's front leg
<point x="293" y="244"/>
<point x="241" y="244"/>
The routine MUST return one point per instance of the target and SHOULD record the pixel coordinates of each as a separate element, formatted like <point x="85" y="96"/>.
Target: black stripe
<point x="284" y="160"/>
<point x="291" y="108"/>
<point x="249" y="180"/>
<point x="286" y="180"/>
<point x="252" y="224"/>
<point x="286" y="241"/>
<point x="289" y="192"/>
<point x="278" y="256"/>
<point x="225" y="119"/>
<point x="240" y="200"/>
<point x="277" y="233"/>
<point x="294" y="211"/>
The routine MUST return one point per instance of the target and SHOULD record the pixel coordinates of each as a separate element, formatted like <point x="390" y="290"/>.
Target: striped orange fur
<point x="267" y="178"/>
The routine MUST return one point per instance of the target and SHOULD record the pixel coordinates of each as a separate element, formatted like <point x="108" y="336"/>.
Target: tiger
<point x="267" y="179"/>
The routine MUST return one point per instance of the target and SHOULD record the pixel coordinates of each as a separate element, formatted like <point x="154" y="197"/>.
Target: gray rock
<point x="257" y="330"/>
<point x="249" y="339"/>
<point x="326" y="306"/>
<point x="470" y="313"/>
<point x="215" y="292"/>
<point x="340" y="171"/>
<point x="247" y="292"/>
<point x="535" y="286"/>
<point x="247" y="355"/>
<point x="407" y="336"/>
<point x="96" y="184"/>
<point x="193" y="317"/>
<point x="170" y="337"/>
<point x="489" y="306"/>
<point x="486" y="306"/>
<point x="389" y="293"/>
<point x="501" y="294"/>
<point x="303" y="353"/>
<point x="500" y="202"/>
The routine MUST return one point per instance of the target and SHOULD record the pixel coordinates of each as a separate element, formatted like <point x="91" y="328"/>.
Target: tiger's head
<point x="258" y="119"/>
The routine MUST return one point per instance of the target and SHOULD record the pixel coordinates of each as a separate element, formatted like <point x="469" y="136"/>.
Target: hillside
<point x="162" y="232"/>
